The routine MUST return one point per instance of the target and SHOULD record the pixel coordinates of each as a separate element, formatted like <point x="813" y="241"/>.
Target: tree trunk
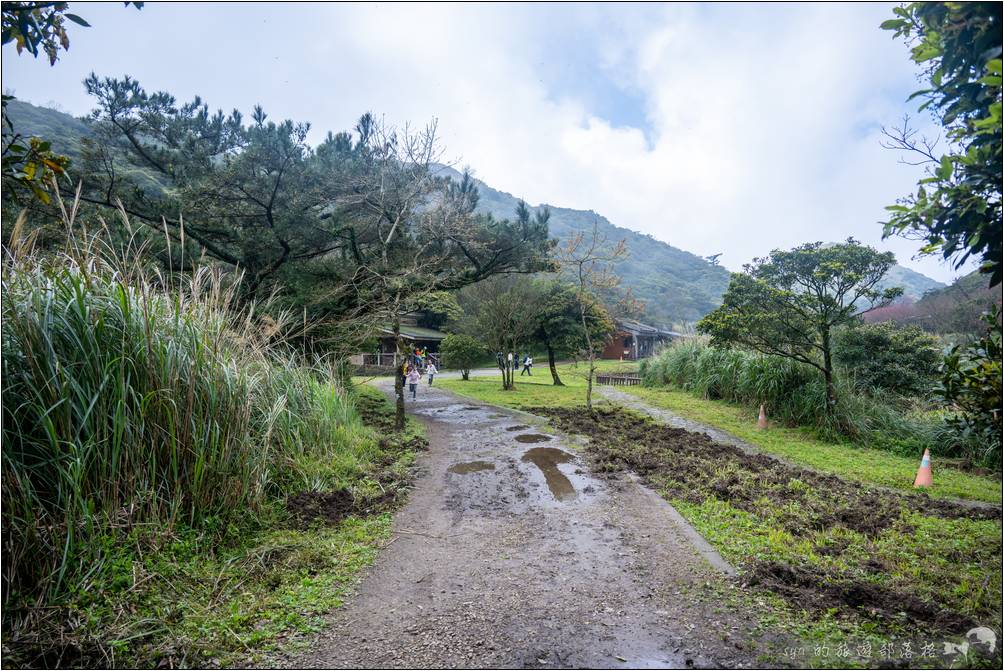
<point x="831" y="390"/>
<point x="554" y="370"/>
<point x="464" y="373"/>
<point x="398" y="377"/>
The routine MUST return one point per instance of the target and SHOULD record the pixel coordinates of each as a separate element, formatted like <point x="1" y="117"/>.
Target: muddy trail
<point x="512" y="552"/>
<point x="693" y="467"/>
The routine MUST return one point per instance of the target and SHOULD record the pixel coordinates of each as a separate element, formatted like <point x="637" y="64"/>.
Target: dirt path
<point x="510" y="553"/>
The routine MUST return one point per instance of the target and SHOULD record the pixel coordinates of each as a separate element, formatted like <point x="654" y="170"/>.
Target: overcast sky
<point x="717" y="128"/>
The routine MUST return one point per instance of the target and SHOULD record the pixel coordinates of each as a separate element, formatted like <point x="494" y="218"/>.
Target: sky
<point x="718" y="128"/>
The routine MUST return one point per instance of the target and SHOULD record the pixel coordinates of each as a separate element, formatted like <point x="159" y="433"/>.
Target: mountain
<point x="914" y="284"/>
<point x="675" y="286"/>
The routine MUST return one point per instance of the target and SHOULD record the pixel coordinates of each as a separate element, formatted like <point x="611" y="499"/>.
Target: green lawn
<point x="797" y="445"/>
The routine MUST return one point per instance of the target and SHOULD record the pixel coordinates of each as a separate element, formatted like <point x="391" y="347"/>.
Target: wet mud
<point x="471" y="467"/>
<point x="532" y="438"/>
<point x="693" y="467"/>
<point x="547" y="460"/>
<point x="534" y="563"/>
<point x="329" y="507"/>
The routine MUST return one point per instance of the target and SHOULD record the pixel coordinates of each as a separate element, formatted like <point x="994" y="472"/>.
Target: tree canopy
<point x="789" y="303"/>
<point x="957" y="208"/>
<point x="360" y="225"/>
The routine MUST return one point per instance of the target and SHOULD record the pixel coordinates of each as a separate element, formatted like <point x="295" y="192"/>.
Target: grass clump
<point x="153" y="428"/>
<point x="794" y="394"/>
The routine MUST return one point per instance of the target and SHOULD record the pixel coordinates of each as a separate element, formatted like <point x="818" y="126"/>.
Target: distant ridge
<point x="676" y="286"/>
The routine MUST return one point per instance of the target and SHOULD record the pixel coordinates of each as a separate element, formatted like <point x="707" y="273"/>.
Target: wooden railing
<point x="618" y="380"/>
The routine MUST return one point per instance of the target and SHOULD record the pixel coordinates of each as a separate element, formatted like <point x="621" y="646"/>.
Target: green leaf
<point x="77" y="20"/>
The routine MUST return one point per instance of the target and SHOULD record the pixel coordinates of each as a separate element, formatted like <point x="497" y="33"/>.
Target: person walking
<point x="431" y="371"/>
<point x="527" y="365"/>
<point x="414" y="377"/>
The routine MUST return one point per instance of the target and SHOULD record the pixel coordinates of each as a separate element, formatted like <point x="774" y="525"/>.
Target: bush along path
<point x="512" y="552"/>
<point x="884" y="577"/>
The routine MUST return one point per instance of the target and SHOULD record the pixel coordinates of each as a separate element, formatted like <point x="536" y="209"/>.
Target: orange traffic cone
<point x="924" y="472"/>
<point x="762" y="422"/>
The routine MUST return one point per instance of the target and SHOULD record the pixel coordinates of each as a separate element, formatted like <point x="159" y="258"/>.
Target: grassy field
<point x="798" y="445"/>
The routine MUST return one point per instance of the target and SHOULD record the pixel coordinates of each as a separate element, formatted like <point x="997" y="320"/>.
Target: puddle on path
<point x="472" y="407"/>
<point x="547" y="460"/>
<point x="471" y="467"/>
<point x="532" y="438"/>
<point x="518" y="427"/>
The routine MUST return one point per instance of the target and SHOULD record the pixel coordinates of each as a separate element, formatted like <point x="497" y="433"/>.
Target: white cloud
<point x="762" y="119"/>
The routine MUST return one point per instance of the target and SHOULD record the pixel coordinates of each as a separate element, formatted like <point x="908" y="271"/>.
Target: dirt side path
<point x="509" y="555"/>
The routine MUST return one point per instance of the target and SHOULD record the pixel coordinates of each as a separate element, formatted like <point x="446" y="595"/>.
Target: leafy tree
<point x="957" y="207"/>
<point x="34" y="26"/>
<point x="588" y="259"/>
<point x="886" y="358"/>
<point x="29" y="163"/>
<point x="502" y="314"/>
<point x="971" y="381"/>
<point x="558" y="321"/>
<point x="462" y="352"/>
<point x="789" y="303"/>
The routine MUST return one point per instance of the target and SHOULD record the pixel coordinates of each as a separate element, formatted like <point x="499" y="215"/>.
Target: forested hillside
<point x="675" y="286"/>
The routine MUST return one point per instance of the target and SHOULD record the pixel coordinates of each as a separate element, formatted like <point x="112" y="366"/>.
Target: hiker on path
<point x="527" y="365"/>
<point x="509" y="361"/>
<point x="431" y="370"/>
<point x="414" y="377"/>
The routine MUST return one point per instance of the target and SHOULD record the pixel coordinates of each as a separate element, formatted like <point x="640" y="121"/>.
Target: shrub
<point x="127" y="404"/>
<point x="461" y="352"/>
<point x="794" y="394"/>
<point x="887" y="358"/>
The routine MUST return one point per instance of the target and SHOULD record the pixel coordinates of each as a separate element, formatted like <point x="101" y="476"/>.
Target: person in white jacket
<point x="431" y="370"/>
<point x="527" y="365"/>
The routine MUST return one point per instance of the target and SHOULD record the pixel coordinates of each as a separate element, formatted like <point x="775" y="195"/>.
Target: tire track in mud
<point x="515" y="554"/>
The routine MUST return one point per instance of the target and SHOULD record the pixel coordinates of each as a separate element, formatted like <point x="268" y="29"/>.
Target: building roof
<point x="636" y="327"/>
<point x="409" y="332"/>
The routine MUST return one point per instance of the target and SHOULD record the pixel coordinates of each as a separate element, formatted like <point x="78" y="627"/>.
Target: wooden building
<point x="634" y="340"/>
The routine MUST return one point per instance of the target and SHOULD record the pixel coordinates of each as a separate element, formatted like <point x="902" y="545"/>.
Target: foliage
<point x="972" y="385"/>
<point x="502" y="316"/>
<point x="35" y="25"/>
<point x="886" y="358"/>
<point x="953" y="311"/>
<point x="957" y="207"/>
<point x="29" y="164"/>
<point x="358" y="226"/>
<point x="795" y="395"/>
<point x="127" y="405"/>
<point x="462" y="352"/>
<point x="558" y="321"/>
<point x="589" y="260"/>
<point x="789" y="303"/>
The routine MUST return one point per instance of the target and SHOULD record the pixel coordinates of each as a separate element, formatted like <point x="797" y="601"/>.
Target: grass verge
<point x="226" y="596"/>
